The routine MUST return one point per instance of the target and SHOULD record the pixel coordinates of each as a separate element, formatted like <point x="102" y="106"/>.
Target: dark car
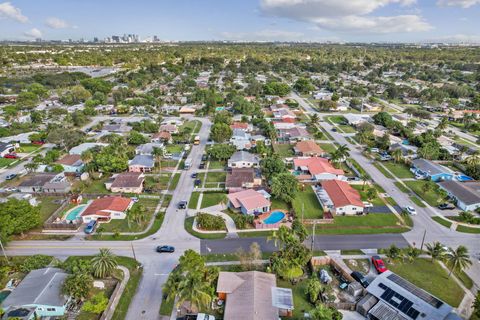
<point x="198" y="182"/>
<point x="446" y="206"/>
<point x="204" y="157"/>
<point x="334" y="129"/>
<point x="90" y="227"/>
<point x="182" y="204"/>
<point x="360" y="278"/>
<point x="202" y="165"/>
<point x="378" y="264"/>
<point x="11" y="176"/>
<point x="168" y="249"/>
<point x="194" y="175"/>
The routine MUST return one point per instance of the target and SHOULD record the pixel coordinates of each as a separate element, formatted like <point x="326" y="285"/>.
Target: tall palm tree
<point x="342" y="151"/>
<point x="314" y="119"/>
<point x="158" y="154"/>
<point x="474" y="159"/>
<point x="397" y="155"/>
<point x="194" y="289"/>
<point x="87" y="158"/>
<point x="458" y="259"/>
<point x="104" y="263"/>
<point x="435" y="250"/>
<point x="364" y="178"/>
<point x="443" y="124"/>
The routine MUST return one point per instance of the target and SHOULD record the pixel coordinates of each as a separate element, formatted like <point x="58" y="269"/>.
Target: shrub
<point x="35" y="262"/>
<point x="242" y="221"/>
<point x="209" y="222"/>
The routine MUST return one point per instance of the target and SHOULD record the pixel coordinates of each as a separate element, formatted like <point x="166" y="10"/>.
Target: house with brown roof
<point x="253" y="295"/>
<point x="308" y="148"/>
<point x="250" y="201"/>
<point x="128" y="182"/>
<point x="241" y="126"/>
<point x="170" y="128"/>
<point x="316" y="169"/>
<point x="239" y="179"/>
<point x="162" y="137"/>
<point x="339" y="198"/>
<point x="71" y="163"/>
<point x="45" y="182"/>
<point x="106" y="209"/>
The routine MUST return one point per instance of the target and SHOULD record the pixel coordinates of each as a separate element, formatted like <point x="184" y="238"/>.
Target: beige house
<point x="129" y="182"/>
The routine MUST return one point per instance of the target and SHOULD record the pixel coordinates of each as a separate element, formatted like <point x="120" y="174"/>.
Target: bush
<point x="97" y="304"/>
<point x="209" y="222"/>
<point x="35" y="262"/>
<point x="242" y="221"/>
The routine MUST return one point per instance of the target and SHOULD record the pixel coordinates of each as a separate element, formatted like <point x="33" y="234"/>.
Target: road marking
<point x="81" y="247"/>
<point x="161" y="274"/>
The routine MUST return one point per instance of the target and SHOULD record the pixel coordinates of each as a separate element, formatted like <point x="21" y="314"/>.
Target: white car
<point x="411" y="210"/>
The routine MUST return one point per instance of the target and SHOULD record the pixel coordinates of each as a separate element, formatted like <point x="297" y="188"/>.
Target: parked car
<point x="204" y="157"/>
<point x="11" y="156"/>
<point x="194" y="175"/>
<point x="378" y="264"/>
<point x="374" y="150"/>
<point x="411" y="210"/>
<point x="385" y="158"/>
<point x="197" y="182"/>
<point x="11" y="189"/>
<point x="202" y="165"/>
<point x="39" y="143"/>
<point x="182" y="204"/>
<point x="90" y="228"/>
<point x="168" y="249"/>
<point x="334" y="129"/>
<point x="11" y="176"/>
<point x="360" y="278"/>
<point x="446" y="206"/>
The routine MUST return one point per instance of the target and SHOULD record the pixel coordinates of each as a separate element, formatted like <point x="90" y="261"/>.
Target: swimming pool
<point x="75" y="212"/>
<point x="4" y="294"/>
<point x="274" y="217"/>
<point x="462" y="178"/>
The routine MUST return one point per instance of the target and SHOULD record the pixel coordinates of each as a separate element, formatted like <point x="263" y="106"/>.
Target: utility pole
<point x="133" y="251"/>
<point x="423" y="239"/>
<point x="313" y="237"/>
<point x="3" y="251"/>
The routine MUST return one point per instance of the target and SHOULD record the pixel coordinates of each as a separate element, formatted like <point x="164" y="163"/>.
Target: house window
<point x="51" y="309"/>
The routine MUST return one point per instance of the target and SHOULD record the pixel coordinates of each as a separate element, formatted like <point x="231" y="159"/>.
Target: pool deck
<point x="259" y="224"/>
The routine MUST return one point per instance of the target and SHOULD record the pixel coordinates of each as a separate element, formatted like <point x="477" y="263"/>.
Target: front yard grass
<point x="216" y="177"/>
<point x="217" y="164"/>
<point x="175" y="148"/>
<point x="417" y="201"/>
<point x="346" y="128"/>
<point x="430" y="277"/>
<point x="337" y="119"/>
<point x="283" y="150"/>
<point x="382" y="170"/>
<point x="28" y="147"/>
<point x="368" y="224"/>
<point x="308" y="201"/>
<point x="328" y="147"/>
<point x="376" y="201"/>
<point x="4" y="162"/>
<point x="431" y="197"/>
<point x="212" y="199"/>
<point x="192" y="204"/>
<point x="188" y="224"/>
<point x="122" y="225"/>
<point x="402" y="187"/>
<point x="400" y="170"/>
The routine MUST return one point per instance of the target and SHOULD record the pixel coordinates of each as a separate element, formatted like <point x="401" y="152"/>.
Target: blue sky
<point x="256" y="20"/>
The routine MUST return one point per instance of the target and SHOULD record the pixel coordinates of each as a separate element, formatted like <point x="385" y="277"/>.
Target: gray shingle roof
<point x="243" y="156"/>
<point x="429" y="167"/>
<point x="143" y="160"/>
<point x="466" y="192"/>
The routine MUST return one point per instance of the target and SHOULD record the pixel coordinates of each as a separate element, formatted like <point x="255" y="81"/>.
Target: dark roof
<point x="429" y="167"/>
<point x="238" y="176"/>
<point x="142" y="160"/>
<point x="467" y="192"/>
<point x="128" y="180"/>
<point x="38" y="180"/>
<point x="71" y="160"/>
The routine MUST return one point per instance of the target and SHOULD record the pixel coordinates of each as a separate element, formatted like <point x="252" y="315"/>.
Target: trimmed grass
<point x="467" y="229"/>
<point x="192" y="204"/>
<point x="400" y="170"/>
<point x="283" y="150"/>
<point x="363" y="195"/>
<point x="417" y="201"/>
<point x="222" y="257"/>
<point x="431" y="197"/>
<point x="430" y="277"/>
<point x="346" y="128"/>
<point x="212" y="199"/>
<point x="6" y="162"/>
<point x="188" y="224"/>
<point x="96" y="186"/>
<point x="308" y="201"/>
<point x="216" y="164"/>
<point x="166" y="307"/>
<point x="216" y="177"/>
<point x="279" y="204"/>
<point x="337" y="119"/>
<point x="111" y="237"/>
<point x="382" y="170"/>
<point x="176" y="178"/>
<point x="443" y="222"/>
<point x="402" y="187"/>
<point x="47" y="206"/>
<point x="28" y="147"/>
<point x="122" y="225"/>
<point x="174" y="148"/>
<point x="328" y="147"/>
<point x="351" y="252"/>
<point x="368" y="224"/>
<point x="462" y="276"/>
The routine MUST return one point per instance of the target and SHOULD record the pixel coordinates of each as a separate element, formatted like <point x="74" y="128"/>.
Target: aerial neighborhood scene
<point x="250" y="160"/>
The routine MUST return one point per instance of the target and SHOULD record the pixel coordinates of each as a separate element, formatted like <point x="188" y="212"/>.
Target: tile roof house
<point x="283" y="113"/>
<point x="339" y="198"/>
<point x="466" y="194"/>
<point x="249" y="201"/>
<point x="71" y="163"/>
<point x="160" y="137"/>
<point x="253" y="295"/>
<point x="45" y="182"/>
<point x="316" y="169"/>
<point x="242" y="178"/>
<point x="431" y="170"/>
<point x="128" y="182"/>
<point x="106" y="209"/>
<point x="141" y="163"/>
<point x="243" y="159"/>
<point x="39" y="294"/>
<point x="308" y="148"/>
<point x="241" y="125"/>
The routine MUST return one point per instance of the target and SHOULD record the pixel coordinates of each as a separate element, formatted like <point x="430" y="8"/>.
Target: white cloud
<point x="33" y="33"/>
<point x="457" y="3"/>
<point x="346" y="15"/>
<point x="7" y="10"/>
<point x="263" y="35"/>
<point x="56" y="23"/>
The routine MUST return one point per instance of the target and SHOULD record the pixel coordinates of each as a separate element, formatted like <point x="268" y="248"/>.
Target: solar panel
<point x="398" y="301"/>
<point x="425" y="296"/>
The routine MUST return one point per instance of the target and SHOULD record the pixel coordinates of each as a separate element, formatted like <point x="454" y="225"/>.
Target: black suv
<point x="446" y="206"/>
<point x="182" y="204"/>
<point x="360" y="278"/>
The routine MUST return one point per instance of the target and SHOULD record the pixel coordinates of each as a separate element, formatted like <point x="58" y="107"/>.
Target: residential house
<point x="19" y="138"/>
<point x="243" y="159"/>
<point x="45" y="182"/>
<point x="242" y="178"/>
<point x="127" y="182"/>
<point x="431" y="170"/>
<point x="141" y="163"/>
<point x="356" y="119"/>
<point x="466" y="194"/>
<point x="316" y="169"/>
<point x="107" y="208"/>
<point x="308" y="148"/>
<point x="392" y="297"/>
<point x="408" y="151"/>
<point x="6" y="148"/>
<point x="241" y="126"/>
<point x="284" y="125"/>
<point x="71" y="163"/>
<point x="339" y="198"/>
<point x="187" y="110"/>
<point x="253" y="295"/>
<point x="170" y="128"/>
<point x="81" y="148"/>
<point x="39" y="295"/>
<point x="283" y="114"/>
<point x="293" y="135"/>
<point x="117" y="128"/>
<point x="162" y="137"/>
<point x="241" y="139"/>
<point x="249" y="201"/>
<point x="323" y="95"/>
<point x="371" y="107"/>
<point x="147" y="148"/>
<point x="258" y="137"/>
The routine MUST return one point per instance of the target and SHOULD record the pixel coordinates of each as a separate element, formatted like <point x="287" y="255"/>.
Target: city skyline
<point x="250" y="20"/>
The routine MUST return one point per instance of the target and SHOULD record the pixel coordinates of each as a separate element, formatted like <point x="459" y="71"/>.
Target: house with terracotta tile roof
<point x="308" y="148"/>
<point x="106" y="209"/>
<point x="241" y="126"/>
<point x="339" y="198"/>
<point x="171" y="128"/>
<point x="249" y="201"/>
<point x="316" y="169"/>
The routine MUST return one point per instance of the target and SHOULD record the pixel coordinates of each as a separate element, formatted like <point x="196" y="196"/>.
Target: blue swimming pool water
<point x="73" y="214"/>
<point x="274" y="217"/>
<point x="462" y="178"/>
<point x="4" y="294"/>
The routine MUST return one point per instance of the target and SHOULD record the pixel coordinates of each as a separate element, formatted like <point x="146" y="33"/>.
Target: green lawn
<point x="216" y="164"/>
<point x="328" y="147"/>
<point x="279" y="204"/>
<point x="112" y="237"/>
<point x="6" y="162"/>
<point x="174" y="148"/>
<point x="300" y="299"/>
<point x="346" y="128"/>
<point x="283" y="150"/>
<point x="382" y="170"/>
<point x="48" y="205"/>
<point x="96" y="186"/>
<point x="466" y="280"/>
<point x="430" y="277"/>
<point x="337" y="119"/>
<point x="216" y="177"/>
<point x="308" y="201"/>
<point x="400" y="170"/>
<point x="431" y="197"/>
<point x="188" y="224"/>
<point x="467" y="229"/>
<point x="363" y="194"/>
<point x="417" y="201"/>
<point x="157" y="182"/>
<point x="28" y="147"/>
<point x="192" y="204"/>
<point x="176" y="178"/>
<point x="255" y="234"/>
<point x="443" y="222"/>
<point x="402" y="187"/>
<point x="166" y="307"/>
<point x="367" y="224"/>
<point x="212" y="199"/>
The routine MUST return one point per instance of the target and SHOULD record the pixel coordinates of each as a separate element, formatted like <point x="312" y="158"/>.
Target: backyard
<point x="307" y="200"/>
<point x="283" y="150"/>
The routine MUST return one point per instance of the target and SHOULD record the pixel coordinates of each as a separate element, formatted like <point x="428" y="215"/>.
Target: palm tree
<point x="364" y="178"/>
<point x="435" y="250"/>
<point x="411" y="253"/>
<point x="31" y="166"/>
<point x="104" y="263"/>
<point x="195" y="290"/>
<point x="279" y="236"/>
<point x="474" y="159"/>
<point x="342" y="151"/>
<point x="458" y="259"/>
<point x="314" y="119"/>
<point x="443" y="124"/>
<point x="397" y="155"/>
<point x="87" y="158"/>
<point x="158" y="154"/>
